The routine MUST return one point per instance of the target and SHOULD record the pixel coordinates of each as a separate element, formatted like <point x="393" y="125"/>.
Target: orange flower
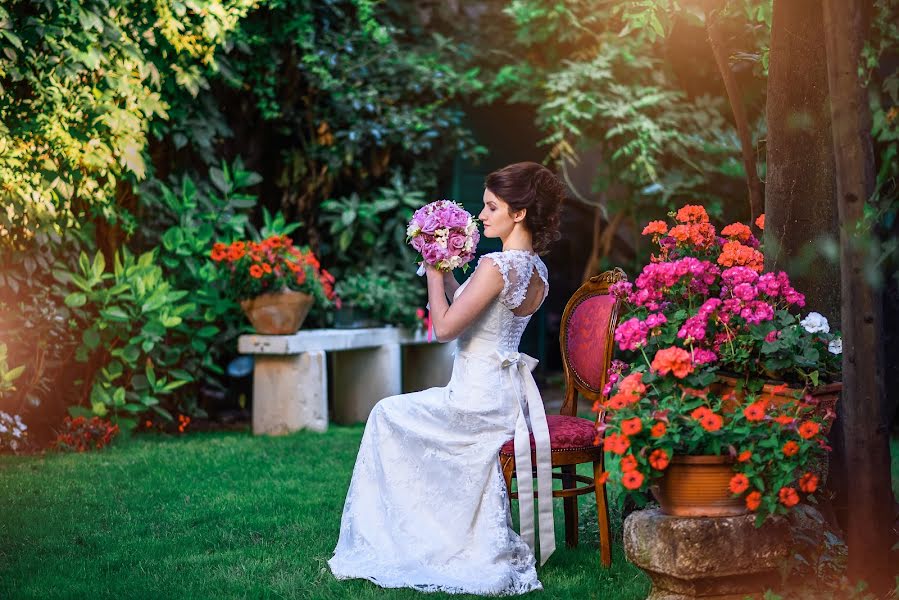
<point x="809" y="429"/>
<point x="631" y="426"/>
<point x="735" y="254"/>
<point x="760" y="222"/>
<point x="617" y="444"/>
<point x="603" y="478"/>
<point x="632" y="480"/>
<point x="628" y="463"/>
<point x="739" y="483"/>
<point x="753" y="500"/>
<point x="658" y="430"/>
<point x="808" y="483"/>
<point x="711" y="421"/>
<point x="681" y="233"/>
<point x="738" y="231"/>
<point x="699" y="413"/>
<point x="266" y="267"/>
<point x="632" y="387"/>
<point x="673" y="360"/>
<point x="790" y="448"/>
<point x="788" y="497"/>
<point x="755" y="411"/>
<point x="659" y="459"/>
<point x="744" y="456"/>
<point x="616" y="402"/>
<point x="784" y="420"/>
<point x="692" y="213"/>
<point x="256" y="271"/>
<point x="655" y="228"/>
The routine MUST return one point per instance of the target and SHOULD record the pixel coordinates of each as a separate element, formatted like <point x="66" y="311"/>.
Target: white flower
<point x="3" y="428"/>
<point x="815" y="322"/>
<point x="413" y="229"/>
<point x="17" y="433"/>
<point x="835" y="346"/>
<point x="469" y="229"/>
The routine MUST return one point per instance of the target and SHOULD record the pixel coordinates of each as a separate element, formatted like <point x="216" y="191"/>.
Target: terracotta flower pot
<point x="277" y="313"/>
<point x="825" y="397"/>
<point x="698" y="486"/>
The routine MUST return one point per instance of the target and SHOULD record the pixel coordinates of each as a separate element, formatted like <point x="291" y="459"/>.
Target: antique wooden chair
<point x="586" y="338"/>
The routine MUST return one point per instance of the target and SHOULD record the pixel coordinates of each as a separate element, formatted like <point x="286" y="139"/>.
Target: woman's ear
<point x="520" y="215"/>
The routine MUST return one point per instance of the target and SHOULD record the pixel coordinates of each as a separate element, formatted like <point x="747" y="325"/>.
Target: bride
<point x="427" y="506"/>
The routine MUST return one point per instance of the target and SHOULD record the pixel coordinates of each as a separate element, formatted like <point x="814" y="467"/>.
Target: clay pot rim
<point x="827" y="388"/>
<point x="702" y="459"/>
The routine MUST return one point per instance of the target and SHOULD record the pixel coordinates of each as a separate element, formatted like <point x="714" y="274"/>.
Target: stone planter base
<point x="720" y="558"/>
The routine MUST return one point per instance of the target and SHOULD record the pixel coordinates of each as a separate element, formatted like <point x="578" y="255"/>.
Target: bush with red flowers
<point x="82" y="434"/>
<point x="254" y="268"/>
<point x="703" y="307"/>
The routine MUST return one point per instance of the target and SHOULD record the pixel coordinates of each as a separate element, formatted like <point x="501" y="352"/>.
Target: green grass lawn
<point x="219" y="515"/>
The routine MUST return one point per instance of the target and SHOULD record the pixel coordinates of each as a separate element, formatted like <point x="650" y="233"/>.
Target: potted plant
<point x="725" y="394"/>
<point x="275" y="281"/>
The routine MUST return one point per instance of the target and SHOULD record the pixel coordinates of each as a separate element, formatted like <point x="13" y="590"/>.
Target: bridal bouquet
<point x="444" y="234"/>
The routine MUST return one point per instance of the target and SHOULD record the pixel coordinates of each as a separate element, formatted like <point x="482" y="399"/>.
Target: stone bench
<point x="290" y="373"/>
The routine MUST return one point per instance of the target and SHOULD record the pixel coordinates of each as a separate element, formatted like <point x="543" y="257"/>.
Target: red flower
<point x="673" y="360"/>
<point x="631" y="426"/>
<point x="784" y="420"/>
<point x="659" y="459"/>
<point x="711" y="422"/>
<point x="616" y="402"/>
<point x="755" y="411"/>
<point x="808" y="483"/>
<point x="790" y="448"/>
<point x="632" y="480"/>
<point x="617" y="444"/>
<point x="603" y="478"/>
<point x="628" y="463"/>
<point x="700" y="412"/>
<point x="788" y="497"/>
<point x="658" y="430"/>
<point x="739" y="483"/>
<point x="809" y="429"/>
<point x="753" y="500"/>
<point x="256" y="271"/>
<point x="744" y="456"/>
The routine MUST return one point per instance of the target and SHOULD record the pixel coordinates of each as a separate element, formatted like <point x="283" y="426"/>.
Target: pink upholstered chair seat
<point x="565" y="433"/>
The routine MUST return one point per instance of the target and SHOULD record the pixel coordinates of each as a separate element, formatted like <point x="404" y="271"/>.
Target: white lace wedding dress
<point x="427" y="506"/>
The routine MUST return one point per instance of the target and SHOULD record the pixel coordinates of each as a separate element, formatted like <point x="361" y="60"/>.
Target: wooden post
<point x="865" y="430"/>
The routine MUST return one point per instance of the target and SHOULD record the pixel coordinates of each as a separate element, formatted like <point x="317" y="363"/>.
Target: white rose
<point x="455" y="261"/>
<point x="835" y="346"/>
<point x="815" y="322"/>
<point x="469" y="229"/>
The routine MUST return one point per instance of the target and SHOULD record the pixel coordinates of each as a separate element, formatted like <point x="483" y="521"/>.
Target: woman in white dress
<point x="427" y="506"/>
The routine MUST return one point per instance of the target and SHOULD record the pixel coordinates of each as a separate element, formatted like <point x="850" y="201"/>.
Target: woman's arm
<point x="450" y="285"/>
<point x="450" y="321"/>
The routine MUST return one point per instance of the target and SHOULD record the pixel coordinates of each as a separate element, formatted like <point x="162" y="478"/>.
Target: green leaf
<point x="91" y="338"/>
<point x="114" y="313"/>
<point x="99" y="409"/>
<point x="99" y="265"/>
<point x="118" y="396"/>
<point x="76" y="300"/>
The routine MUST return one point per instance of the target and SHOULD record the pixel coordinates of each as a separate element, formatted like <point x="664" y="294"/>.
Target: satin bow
<point x="532" y="411"/>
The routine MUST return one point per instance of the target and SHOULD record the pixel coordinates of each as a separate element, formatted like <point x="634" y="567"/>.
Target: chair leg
<point x="508" y="467"/>
<point x="570" y="506"/>
<point x="602" y="515"/>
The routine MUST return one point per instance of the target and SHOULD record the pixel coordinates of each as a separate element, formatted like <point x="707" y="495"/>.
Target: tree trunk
<point x="741" y="121"/>
<point x="864" y="428"/>
<point x="800" y="190"/>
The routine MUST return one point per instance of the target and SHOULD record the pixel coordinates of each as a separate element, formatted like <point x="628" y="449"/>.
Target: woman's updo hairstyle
<point x="534" y="187"/>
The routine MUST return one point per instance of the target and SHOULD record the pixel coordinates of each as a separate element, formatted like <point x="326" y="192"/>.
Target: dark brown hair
<point x="534" y="187"/>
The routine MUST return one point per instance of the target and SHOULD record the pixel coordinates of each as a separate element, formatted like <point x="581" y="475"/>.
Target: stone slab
<point x="317" y="339"/>
<point x="427" y="365"/>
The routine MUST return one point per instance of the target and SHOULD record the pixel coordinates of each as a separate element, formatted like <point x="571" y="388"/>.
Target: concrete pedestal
<point x="290" y="393"/>
<point x="720" y="558"/>
<point x="362" y="378"/>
